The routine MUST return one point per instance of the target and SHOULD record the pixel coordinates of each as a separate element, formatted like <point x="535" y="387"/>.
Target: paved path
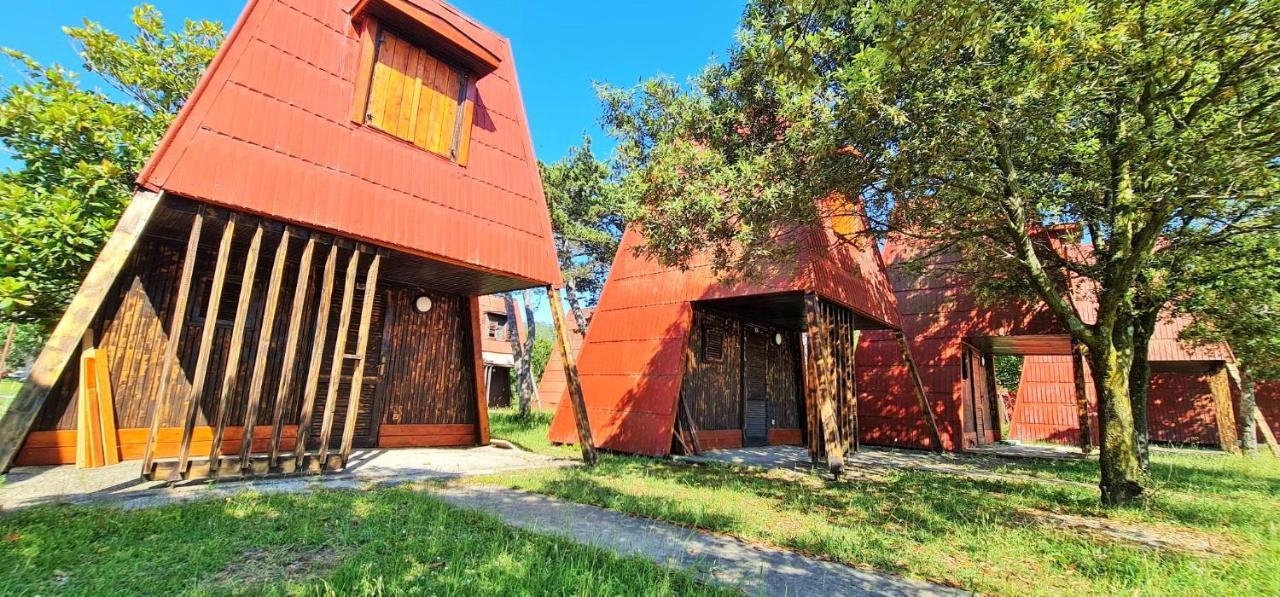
<point x="121" y="483"/>
<point x="878" y="460"/>
<point x="759" y="570"/>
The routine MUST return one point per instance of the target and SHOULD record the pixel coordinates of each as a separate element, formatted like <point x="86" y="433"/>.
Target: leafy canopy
<point x="80" y="149"/>
<point x="971" y="126"/>
<point x="586" y="218"/>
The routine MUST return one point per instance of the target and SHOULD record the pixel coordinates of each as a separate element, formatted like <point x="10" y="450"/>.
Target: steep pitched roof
<point x="631" y="365"/>
<point x="268" y="131"/>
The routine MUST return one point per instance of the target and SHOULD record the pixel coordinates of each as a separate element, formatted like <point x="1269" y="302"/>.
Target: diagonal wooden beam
<point x="265" y="331"/>
<point x="206" y="343"/>
<point x="160" y="405"/>
<point x="339" y="357"/>
<point x="921" y="397"/>
<point x="1220" y="387"/>
<point x="577" y="401"/>
<point x="317" y="357"/>
<point x="61" y="347"/>
<point x="231" y="366"/>
<point x="820" y="340"/>
<point x="290" y="344"/>
<point x="362" y="343"/>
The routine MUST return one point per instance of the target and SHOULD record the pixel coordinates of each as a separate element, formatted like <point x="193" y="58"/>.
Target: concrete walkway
<point x="756" y="569"/>
<point x="873" y="460"/>
<point x="122" y="484"/>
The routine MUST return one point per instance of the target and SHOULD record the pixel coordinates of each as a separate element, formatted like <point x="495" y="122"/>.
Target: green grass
<point x="528" y="433"/>
<point x="985" y="535"/>
<point x="386" y="541"/>
<point x="8" y="389"/>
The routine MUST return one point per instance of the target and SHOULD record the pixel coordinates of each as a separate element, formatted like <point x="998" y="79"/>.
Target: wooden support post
<point x="576" y="398"/>
<point x="856" y="430"/>
<point x="317" y="357"/>
<point x="821" y="335"/>
<point x="690" y="363"/>
<point x="482" y="373"/>
<point x="1220" y="387"/>
<point x="61" y="348"/>
<point x="362" y="342"/>
<point x="160" y="402"/>
<point x="339" y="357"/>
<point x="290" y="345"/>
<point x="106" y="407"/>
<point x="1085" y="423"/>
<point x="231" y="367"/>
<point x="921" y="397"/>
<point x="206" y="343"/>
<point x="813" y="431"/>
<point x="265" y="331"/>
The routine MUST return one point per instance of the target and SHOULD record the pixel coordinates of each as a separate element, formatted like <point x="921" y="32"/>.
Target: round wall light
<point x="422" y="304"/>
<point x="777" y="339"/>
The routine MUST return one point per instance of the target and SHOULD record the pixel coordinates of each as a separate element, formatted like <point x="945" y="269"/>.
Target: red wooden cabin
<point x="299" y="272"/>
<point x="955" y="340"/>
<point x="679" y="357"/>
<point x="553" y="386"/>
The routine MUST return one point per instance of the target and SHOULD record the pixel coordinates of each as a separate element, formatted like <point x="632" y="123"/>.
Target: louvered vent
<point x="712" y="344"/>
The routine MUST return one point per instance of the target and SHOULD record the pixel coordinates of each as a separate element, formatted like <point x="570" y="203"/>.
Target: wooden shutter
<point x="419" y="98"/>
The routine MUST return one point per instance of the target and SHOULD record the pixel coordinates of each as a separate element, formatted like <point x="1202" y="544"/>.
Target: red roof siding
<point x="268" y="131"/>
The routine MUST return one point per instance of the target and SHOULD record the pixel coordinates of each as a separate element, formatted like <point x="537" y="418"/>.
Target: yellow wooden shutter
<point x="419" y="98"/>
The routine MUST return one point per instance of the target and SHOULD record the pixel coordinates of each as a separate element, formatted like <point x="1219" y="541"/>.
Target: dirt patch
<point x="1157" y="537"/>
<point x="273" y="565"/>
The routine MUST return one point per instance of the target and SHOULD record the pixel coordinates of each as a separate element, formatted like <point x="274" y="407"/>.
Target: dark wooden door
<point x="977" y="398"/>
<point x="755" y="386"/>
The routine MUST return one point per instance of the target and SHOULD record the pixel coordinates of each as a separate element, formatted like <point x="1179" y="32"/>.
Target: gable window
<point x="496" y="325"/>
<point x="418" y="97"/>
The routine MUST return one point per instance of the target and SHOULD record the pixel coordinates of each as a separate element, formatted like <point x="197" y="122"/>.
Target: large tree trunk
<point x="517" y="353"/>
<point x="1140" y="383"/>
<point x="524" y="368"/>
<point x="1248" y="412"/>
<point x="1117" y="454"/>
<point x="575" y="307"/>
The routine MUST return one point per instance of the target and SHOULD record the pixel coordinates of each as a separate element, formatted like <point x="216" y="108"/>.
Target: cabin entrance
<point x="755" y="386"/>
<point x="742" y="381"/>
<point x="981" y="426"/>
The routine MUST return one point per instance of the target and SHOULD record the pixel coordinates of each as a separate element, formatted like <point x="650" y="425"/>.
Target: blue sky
<point x="561" y="47"/>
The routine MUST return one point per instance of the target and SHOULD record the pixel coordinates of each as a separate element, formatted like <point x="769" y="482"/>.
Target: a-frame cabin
<point x="299" y="271"/>
<point x="678" y="358"/>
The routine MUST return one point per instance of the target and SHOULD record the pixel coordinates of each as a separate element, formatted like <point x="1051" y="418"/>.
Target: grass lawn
<point x="1001" y="537"/>
<point x="332" y="542"/>
<point x="8" y="389"/>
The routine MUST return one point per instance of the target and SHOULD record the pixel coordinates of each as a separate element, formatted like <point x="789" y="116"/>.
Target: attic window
<point x="712" y="344"/>
<point x="417" y="96"/>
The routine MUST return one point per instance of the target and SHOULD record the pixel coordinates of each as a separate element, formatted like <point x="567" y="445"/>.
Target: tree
<point x="1240" y="308"/>
<point x="978" y="129"/>
<point x="587" y="221"/>
<point x="79" y="151"/>
<point x="526" y="389"/>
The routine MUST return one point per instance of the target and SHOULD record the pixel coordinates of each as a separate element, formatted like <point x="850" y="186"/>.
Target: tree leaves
<point x="79" y="150"/>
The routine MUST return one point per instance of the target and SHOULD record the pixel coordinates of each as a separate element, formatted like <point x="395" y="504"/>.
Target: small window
<point x="712" y="344"/>
<point x="418" y="97"/>
<point x="496" y="326"/>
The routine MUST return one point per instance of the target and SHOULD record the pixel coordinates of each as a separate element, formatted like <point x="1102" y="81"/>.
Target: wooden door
<point x="755" y="386"/>
<point x="982" y="397"/>
<point x="366" y="431"/>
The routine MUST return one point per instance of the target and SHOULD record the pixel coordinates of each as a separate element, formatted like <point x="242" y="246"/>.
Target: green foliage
<point x="542" y="345"/>
<point x="1233" y="295"/>
<point x="79" y="151"/>
<point x="1008" y="371"/>
<point x="586" y="218"/>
